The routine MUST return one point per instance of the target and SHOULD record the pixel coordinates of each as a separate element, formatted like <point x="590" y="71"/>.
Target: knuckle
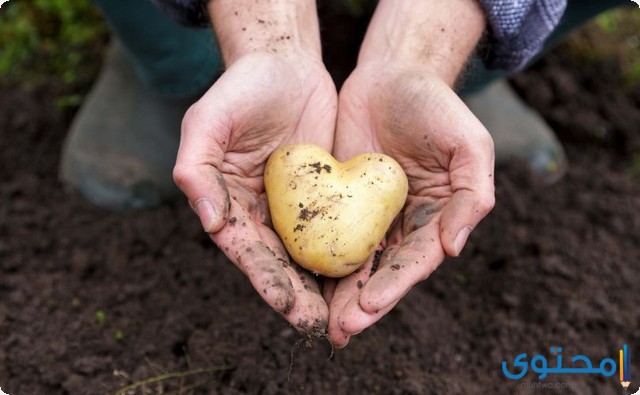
<point x="188" y="118"/>
<point x="182" y="176"/>
<point x="487" y="142"/>
<point x="486" y="203"/>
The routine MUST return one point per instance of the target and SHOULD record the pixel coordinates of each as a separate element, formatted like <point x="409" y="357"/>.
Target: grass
<point x="174" y="382"/>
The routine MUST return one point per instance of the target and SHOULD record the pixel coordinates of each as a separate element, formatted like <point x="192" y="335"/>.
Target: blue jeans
<point x="176" y="61"/>
<point x="180" y="62"/>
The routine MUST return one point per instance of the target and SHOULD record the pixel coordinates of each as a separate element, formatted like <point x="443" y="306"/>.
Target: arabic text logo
<point x="638" y="3"/>
<point x="1" y="3"/>
<point x="579" y="365"/>
<point x="1" y="391"/>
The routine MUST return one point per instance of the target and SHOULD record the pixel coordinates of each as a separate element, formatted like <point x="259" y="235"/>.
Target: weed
<point x="101" y="317"/>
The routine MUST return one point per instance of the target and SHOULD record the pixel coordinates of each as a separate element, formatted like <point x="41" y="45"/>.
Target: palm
<point x="420" y="122"/>
<point x="259" y="104"/>
<point x="270" y="114"/>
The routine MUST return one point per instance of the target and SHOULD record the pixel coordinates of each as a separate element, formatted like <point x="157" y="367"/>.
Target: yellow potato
<point x="331" y="216"/>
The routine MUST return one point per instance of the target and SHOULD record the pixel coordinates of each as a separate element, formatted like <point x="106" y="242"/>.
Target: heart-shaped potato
<point x="331" y="216"/>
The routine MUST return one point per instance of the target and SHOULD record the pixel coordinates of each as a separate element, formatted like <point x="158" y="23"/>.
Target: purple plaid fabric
<point x="517" y="28"/>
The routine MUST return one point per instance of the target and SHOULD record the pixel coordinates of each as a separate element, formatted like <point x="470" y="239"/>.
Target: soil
<point x="92" y="301"/>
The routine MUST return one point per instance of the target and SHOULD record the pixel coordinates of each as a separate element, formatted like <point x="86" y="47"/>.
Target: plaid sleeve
<point x="518" y="29"/>
<point x="191" y="13"/>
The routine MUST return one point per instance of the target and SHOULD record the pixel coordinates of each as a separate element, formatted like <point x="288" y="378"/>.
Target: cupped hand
<point x="261" y="102"/>
<point x="414" y="117"/>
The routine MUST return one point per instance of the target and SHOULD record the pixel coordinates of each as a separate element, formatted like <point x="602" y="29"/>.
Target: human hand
<point x="265" y="99"/>
<point x="448" y="158"/>
<point x="407" y="110"/>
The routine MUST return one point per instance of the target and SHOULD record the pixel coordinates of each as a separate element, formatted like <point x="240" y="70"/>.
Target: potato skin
<point x="331" y="216"/>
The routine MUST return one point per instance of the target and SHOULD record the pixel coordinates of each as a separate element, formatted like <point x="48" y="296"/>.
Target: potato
<point x="331" y="216"/>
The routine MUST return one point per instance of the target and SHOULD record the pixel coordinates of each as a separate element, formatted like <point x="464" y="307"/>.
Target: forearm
<point x="277" y="26"/>
<point x="437" y="35"/>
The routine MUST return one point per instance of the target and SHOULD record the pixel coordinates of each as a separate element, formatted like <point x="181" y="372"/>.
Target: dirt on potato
<point x="92" y="301"/>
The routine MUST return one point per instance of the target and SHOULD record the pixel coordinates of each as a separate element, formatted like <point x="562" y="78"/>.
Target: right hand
<point x="399" y="101"/>
<point x="263" y="101"/>
<point x="447" y="155"/>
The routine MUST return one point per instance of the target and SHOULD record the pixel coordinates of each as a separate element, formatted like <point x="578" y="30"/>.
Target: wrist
<point x="436" y="36"/>
<point x="279" y="27"/>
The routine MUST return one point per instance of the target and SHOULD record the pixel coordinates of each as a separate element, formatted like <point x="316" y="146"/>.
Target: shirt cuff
<point x="518" y="29"/>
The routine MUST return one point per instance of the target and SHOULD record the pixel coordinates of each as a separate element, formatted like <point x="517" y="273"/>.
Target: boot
<point x="122" y="144"/>
<point x="518" y="132"/>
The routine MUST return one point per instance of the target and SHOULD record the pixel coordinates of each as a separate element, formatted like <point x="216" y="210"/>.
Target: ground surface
<point x="92" y="301"/>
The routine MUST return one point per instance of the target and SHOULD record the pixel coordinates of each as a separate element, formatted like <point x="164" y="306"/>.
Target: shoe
<point x="518" y="132"/>
<point x="122" y="144"/>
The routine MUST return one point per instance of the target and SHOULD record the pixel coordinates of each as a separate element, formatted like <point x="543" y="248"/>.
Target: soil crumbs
<point x="92" y="302"/>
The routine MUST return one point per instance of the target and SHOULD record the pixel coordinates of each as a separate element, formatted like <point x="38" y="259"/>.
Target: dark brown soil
<point x="92" y="301"/>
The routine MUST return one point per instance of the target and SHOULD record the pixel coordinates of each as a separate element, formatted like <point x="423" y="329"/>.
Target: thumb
<point x="197" y="173"/>
<point x="460" y="216"/>
<point x="472" y="199"/>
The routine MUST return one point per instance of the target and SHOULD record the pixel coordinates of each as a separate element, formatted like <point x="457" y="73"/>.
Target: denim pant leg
<point x="173" y="60"/>
<point x="578" y="12"/>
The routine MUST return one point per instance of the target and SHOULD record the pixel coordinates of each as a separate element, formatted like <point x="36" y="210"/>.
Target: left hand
<point x="448" y="157"/>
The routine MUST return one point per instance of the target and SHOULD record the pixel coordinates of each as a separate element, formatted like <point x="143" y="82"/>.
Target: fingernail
<point x="193" y="207"/>
<point x="343" y="345"/>
<point x="206" y="213"/>
<point x="461" y="240"/>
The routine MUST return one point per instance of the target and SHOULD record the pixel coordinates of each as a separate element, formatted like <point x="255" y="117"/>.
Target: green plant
<point x="613" y="35"/>
<point x="101" y="317"/>
<point x="45" y="38"/>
